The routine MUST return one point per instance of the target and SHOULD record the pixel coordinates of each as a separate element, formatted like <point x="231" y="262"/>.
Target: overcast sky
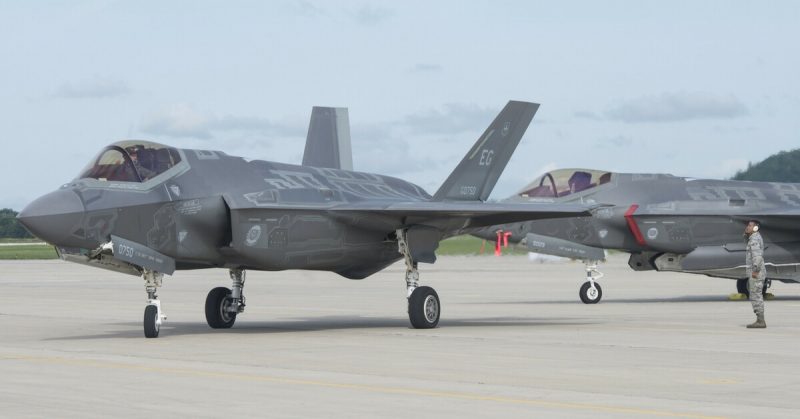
<point x="689" y="88"/>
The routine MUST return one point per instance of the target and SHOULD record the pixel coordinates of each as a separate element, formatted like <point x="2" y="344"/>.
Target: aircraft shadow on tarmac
<point x="315" y="324"/>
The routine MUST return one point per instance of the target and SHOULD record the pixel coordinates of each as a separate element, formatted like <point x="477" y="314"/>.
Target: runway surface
<point x="514" y="341"/>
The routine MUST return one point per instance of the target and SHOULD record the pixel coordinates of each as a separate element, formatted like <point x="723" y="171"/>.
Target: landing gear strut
<point x="591" y="292"/>
<point x="424" y="307"/>
<point x="223" y="304"/>
<point x="153" y="316"/>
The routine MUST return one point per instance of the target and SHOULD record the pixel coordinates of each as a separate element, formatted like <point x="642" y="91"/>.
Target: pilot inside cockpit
<point x="131" y="161"/>
<point x="144" y="168"/>
<point x="565" y="182"/>
<point x="580" y="181"/>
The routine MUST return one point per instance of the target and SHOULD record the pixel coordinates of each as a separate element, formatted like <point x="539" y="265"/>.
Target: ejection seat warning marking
<point x="190" y="207"/>
<point x="206" y="155"/>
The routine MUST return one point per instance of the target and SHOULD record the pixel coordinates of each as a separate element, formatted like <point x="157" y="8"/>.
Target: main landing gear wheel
<point x="218" y="312"/>
<point x="591" y="295"/>
<point x="424" y="308"/>
<point x="741" y="286"/>
<point x="151" y="323"/>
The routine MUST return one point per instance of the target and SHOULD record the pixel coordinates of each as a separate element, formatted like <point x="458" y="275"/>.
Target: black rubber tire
<point x="584" y="293"/>
<point x="424" y="300"/>
<point x="151" y="327"/>
<point x="743" y="288"/>
<point x="216" y="316"/>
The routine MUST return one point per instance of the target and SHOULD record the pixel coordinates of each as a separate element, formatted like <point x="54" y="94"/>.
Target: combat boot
<point x="759" y="323"/>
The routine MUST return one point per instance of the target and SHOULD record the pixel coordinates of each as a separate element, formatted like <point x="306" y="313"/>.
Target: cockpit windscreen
<point x="564" y="182"/>
<point x="131" y="161"/>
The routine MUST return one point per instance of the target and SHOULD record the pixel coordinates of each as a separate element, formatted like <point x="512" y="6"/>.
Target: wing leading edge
<point x="468" y="214"/>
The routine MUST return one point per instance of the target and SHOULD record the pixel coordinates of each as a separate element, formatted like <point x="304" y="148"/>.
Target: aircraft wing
<point x="465" y="214"/>
<point x="425" y="222"/>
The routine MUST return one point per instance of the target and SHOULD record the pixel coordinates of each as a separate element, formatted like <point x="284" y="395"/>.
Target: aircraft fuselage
<point x="671" y="223"/>
<point x="212" y="209"/>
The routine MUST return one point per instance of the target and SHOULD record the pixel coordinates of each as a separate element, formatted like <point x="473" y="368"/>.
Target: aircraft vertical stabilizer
<point x="328" y="139"/>
<point x="475" y="177"/>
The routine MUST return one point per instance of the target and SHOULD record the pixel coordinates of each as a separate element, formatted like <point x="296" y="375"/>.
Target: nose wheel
<point x="153" y="316"/>
<point x="591" y="292"/>
<point x="152" y="321"/>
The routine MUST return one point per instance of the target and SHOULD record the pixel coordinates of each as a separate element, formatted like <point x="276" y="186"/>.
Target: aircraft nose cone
<point x="53" y="217"/>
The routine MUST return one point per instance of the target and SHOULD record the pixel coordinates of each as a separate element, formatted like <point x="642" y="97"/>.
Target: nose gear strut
<point x="153" y="316"/>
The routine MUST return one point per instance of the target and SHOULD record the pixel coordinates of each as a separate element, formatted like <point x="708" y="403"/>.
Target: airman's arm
<point x="757" y="249"/>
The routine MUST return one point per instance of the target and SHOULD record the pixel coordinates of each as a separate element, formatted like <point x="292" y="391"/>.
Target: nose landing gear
<point x="153" y="316"/>
<point x="591" y="292"/>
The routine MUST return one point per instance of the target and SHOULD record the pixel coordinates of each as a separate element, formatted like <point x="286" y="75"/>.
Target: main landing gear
<point x="153" y="316"/>
<point x="223" y="304"/>
<point x="591" y="292"/>
<point x="424" y="307"/>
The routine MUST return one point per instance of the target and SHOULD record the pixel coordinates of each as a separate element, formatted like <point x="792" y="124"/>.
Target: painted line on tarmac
<point x="358" y="387"/>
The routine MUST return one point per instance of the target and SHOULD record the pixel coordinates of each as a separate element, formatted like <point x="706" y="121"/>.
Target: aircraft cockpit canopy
<point x="564" y="182"/>
<point x="131" y="161"/>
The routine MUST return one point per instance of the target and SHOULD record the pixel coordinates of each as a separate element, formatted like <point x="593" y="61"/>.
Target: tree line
<point x="781" y="167"/>
<point x="10" y="227"/>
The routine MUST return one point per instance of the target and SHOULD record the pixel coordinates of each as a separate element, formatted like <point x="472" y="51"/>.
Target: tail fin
<point x="475" y="177"/>
<point x="328" y="139"/>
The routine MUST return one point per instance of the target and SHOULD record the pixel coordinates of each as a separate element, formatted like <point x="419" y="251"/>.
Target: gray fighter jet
<point x="148" y="209"/>
<point x="665" y="222"/>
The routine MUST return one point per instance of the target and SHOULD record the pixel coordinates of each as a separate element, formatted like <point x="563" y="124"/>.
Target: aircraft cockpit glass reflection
<point x="131" y="161"/>
<point x="563" y="182"/>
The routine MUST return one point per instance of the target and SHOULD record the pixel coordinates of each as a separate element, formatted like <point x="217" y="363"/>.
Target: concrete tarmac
<point x="514" y="341"/>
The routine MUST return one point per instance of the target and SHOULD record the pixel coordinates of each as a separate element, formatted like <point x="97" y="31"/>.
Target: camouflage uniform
<point x="755" y="264"/>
